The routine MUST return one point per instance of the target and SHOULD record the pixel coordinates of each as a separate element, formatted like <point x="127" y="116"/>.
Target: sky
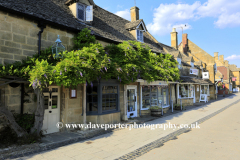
<point x="213" y="25"/>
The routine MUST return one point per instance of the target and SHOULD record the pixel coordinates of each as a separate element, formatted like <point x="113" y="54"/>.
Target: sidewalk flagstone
<point x="118" y="141"/>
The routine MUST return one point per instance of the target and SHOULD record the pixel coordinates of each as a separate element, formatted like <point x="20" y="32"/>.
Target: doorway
<point x="194" y="98"/>
<point x="52" y="109"/>
<point x="131" y="101"/>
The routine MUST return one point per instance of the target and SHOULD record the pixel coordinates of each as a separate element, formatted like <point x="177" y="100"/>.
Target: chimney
<point x="221" y="58"/>
<point x="216" y="56"/>
<point x="134" y="13"/>
<point x="185" y="42"/>
<point x="174" y="39"/>
<point x="226" y="63"/>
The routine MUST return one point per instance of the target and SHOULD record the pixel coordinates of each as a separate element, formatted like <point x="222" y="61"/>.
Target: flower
<point x="128" y="48"/>
<point x="106" y="53"/>
<point x="109" y="60"/>
<point x="34" y="84"/>
<point x="91" y="84"/>
<point x="65" y="69"/>
<point x="54" y="71"/>
<point x="97" y="50"/>
<point x="118" y="77"/>
<point x="40" y="83"/>
<point x="86" y="35"/>
<point x="81" y="74"/>
<point x="60" y="72"/>
<point x="106" y="69"/>
<point x="45" y="75"/>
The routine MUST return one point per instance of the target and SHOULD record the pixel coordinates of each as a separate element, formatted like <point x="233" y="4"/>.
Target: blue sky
<point x="214" y="25"/>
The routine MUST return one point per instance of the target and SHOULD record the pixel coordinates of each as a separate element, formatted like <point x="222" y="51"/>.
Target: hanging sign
<point x="194" y="71"/>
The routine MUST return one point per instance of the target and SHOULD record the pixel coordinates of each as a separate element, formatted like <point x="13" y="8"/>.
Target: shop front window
<point x="92" y="98"/>
<point x="154" y="96"/>
<point x="102" y="98"/>
<point x="185" y="91"/>
<point x="109" y="98"/>
<point x="205" y="89"/>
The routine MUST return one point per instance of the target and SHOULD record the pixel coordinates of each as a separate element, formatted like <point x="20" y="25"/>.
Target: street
<point x="217" y="138"/>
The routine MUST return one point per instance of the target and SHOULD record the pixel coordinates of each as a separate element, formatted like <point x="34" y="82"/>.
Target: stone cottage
<point x="26" y="27"/>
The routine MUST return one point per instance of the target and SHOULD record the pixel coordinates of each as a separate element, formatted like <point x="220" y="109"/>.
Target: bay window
<point x="154" y="96"/>
<point x="205" y="89"/>
<point x="185" y="91"/>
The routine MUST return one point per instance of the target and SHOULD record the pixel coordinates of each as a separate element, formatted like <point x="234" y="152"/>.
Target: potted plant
<point x="178" y="107"/>
<point x="156" y="111"/>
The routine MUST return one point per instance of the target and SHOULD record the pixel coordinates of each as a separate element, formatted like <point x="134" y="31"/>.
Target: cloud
<point x="167" y="16"/>
<point x="124" y="14"/>
<point x="233" y="57"/>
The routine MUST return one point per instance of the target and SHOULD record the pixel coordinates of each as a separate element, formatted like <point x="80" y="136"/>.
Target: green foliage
<point x="26" y="121"/>
<point x="83" y="39"/>
<point x="132" y="60"/>
<point x="126" y="62"/>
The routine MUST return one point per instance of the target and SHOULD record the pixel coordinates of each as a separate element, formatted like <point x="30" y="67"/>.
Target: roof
<point x="188" y="59"/>
<point x="50" y="10"/>
<point x="133" y="24"/>
<point x="195" y="80"/>
<point x="112" y="27"/>
<point x="105" y="24"/>
<point x="69" y="2"/>
<point x="174" y="52"/>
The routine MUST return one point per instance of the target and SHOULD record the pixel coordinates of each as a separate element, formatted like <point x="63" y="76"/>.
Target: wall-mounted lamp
<point x="73" y="93"/>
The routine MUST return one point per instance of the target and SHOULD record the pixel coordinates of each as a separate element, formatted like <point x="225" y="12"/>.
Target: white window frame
<point x="179" y="60"/>
<point x="208" y="93"/>
<point x="189" y="87"/>
<point x="85" y="12"/>
<point x="142" y="37"/>
<point x="148" y="108"/>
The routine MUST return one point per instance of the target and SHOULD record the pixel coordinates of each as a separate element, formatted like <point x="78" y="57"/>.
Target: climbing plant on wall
<point x="88" y="62"/>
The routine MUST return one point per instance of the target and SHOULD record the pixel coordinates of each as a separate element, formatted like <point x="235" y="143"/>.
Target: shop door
<point x="193" y="89"/>
<point x="52" y="109"/>
<point x="131" y="101"/>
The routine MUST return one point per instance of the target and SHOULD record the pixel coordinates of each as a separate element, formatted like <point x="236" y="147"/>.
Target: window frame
<point x="150" y="97"/>
<point x="189" y="87"/>
<point x="83" y="11"/>
<point x="208" y="92"/>
<point x="99" y="96"/>
<point x="179" y="60"/>
<point x="142" y="37"/>
<point x="192" y="64"/>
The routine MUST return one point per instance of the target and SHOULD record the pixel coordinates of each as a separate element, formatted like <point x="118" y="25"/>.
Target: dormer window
<point x="179" y="60"/>
<point x="83" y="12"/>
<point x="140" y="35"/>
<point x="192" y="64"/>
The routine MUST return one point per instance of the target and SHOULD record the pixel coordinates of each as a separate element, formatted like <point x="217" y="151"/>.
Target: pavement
<point x="130" y="144"/>
<point x="218" y="139"/>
